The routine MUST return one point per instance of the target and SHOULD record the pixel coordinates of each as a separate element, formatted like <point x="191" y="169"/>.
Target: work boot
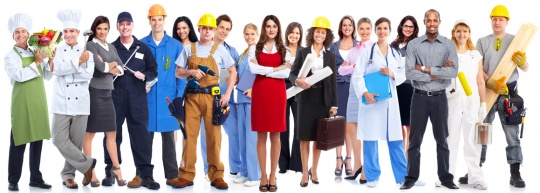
<point x="464" y="179"/>
<point x="515" y="176"/>
<point x="135" y="183"/>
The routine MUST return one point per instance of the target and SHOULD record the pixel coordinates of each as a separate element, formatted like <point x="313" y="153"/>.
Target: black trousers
<point x="16" y="160"/>
<point x="168" y="152"/>
<point x="436" y="109"/>
<point x="131" y="105"/>
<point x="290" y="160"/>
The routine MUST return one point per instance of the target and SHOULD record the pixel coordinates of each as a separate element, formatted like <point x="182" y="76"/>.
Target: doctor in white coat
<point x="73" y="67"/>
<point x="380" y="120"/>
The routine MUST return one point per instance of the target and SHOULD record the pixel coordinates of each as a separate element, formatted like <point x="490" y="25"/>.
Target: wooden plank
<point x="506" y="66"/>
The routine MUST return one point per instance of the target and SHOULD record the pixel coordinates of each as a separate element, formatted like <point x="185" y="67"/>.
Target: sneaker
<point x="419" y="183"/>
<point x="240" y="180"/>
<point x="437" y="184"/>
<point x="251" y="183"/>
<point x="480" y="185"/>
<point x="135" y="183"/>
<point x="206" y="177"/>
<point x="372" y="184"/>
<point x="234" y="176"/>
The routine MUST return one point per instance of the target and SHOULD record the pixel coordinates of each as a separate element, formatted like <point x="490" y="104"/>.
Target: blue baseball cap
<point x="124" y="16"/>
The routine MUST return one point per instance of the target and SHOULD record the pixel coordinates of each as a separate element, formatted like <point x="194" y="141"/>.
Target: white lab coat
<point x="71" y="96"/>
<point x="375" y="119"/>
<point x="15" y="71"/>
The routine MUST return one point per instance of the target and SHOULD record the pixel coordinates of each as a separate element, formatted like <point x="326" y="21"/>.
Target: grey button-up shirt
<point x="431" y="54"/>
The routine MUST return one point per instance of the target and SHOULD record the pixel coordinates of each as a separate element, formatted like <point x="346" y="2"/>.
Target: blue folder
<point x="377" y="83"/>
<point x="246" y="81"/>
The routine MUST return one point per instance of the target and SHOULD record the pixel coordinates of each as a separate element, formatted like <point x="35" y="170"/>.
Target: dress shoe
<point x="450" y="185"/>
<point x="407" y="185"/>
<point x="135" y="183"/>
<point x="176" y="183"/>
<point x="13" y="187"/>
<point x="464" y="179"/>
<point x="41" y="185"/>
<point x="69" y="183"/>
<point x="149" y="183"/>
<point x="282" y="171"/>
<point x="88" y="173"/>
<point x="220" y="184"/>
<point x="107" y="181"/>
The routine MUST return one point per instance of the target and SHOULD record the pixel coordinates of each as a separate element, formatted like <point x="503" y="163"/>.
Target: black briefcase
<point x="330" y="132"/>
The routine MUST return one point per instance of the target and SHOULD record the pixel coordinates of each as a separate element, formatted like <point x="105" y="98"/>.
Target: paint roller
<point x="464" y="83"/>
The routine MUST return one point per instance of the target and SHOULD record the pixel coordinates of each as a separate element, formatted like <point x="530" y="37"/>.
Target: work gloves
<point x="482" y="112"/>
<point x="519" y="58"/>
<point x="498" y="86"/>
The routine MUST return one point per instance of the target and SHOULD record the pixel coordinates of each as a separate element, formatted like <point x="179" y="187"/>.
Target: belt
<point x="430" y="93"/>
<point x="198" y="90"/>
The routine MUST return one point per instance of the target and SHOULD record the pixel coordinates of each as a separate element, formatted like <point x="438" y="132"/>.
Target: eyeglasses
<point x="498" y="44"/>
<point x="408" y="27"/>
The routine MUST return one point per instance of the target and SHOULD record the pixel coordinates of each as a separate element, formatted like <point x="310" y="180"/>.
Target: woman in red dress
<point x="269" y="61"/>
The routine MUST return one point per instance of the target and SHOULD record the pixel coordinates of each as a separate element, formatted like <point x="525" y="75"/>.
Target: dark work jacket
<point x="334" y="48"/>
<point x="147" y="65"/>
<point x="330" y="90"/>
<point x="297" y="51"/>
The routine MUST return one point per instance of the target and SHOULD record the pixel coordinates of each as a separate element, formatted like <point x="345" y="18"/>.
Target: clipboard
<point x="377" y="83"/>
<point x="223" y="74"/>
<point x="246" y="81"/>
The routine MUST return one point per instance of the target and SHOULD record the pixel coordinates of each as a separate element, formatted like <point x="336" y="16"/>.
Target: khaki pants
<point x="197" y="106"/>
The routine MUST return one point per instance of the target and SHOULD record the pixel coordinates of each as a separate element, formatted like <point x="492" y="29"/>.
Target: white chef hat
<point x="20" y="20"/>
<point x="70" y="18"/>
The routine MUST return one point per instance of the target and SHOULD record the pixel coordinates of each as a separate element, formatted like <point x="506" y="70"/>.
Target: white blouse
<point x="266" y="70"/>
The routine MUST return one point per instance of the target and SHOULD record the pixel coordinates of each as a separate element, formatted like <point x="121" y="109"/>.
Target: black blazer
<point x="330" y="91"/>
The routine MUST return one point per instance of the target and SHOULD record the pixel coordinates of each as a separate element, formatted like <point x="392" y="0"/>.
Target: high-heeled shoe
<point x="95" y="184"/>
<point x="311" y="176"/>
<point x="272" y="187"/>
<point x="339" y="171"/>
<point x="355" y="174"/>
<point x="362" y="181"/>
<point x="114" y="176"/>
<point x="303" y="185"/>
<point x="348" y="170"/>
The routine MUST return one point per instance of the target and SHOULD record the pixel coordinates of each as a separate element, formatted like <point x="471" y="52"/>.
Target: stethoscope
<point x="371" y="54"/>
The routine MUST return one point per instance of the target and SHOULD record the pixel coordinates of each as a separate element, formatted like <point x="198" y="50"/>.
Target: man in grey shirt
<point x="493" y="47"/>
<point x="430" y="66"/>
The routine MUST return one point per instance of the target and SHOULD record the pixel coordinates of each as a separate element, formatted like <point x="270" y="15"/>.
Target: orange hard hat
<point x="156" y="10"/>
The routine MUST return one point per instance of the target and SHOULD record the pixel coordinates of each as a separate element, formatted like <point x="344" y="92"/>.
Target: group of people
<point x="99" y="85"/>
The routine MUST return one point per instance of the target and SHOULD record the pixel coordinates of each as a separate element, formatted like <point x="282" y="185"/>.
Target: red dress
<point x="269" y="98"/>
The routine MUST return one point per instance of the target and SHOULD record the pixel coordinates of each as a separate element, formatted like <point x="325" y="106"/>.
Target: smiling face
<point x="70" y="36"/>
<point x="271" y="29"/>
<point x="498" y="24"/>
<point x="250" y="35"/>
<point x="125" y="28"/>
<point x="223" y="30"/>
<point x="382" y="30"/>
<point x="20" y="35"/>
<point x="364" y="30"/>
<point x="432" y="22"/>
<point x="319" y="35"/>
<point x="462" y="34"/>
<point x="182" y="30"/>
<point x="408" y="28"/>
<point x="347" y="27"/>
<point x="102" y="30"/>
<point x="294" y="36"/>
<point x="157" y="23"/>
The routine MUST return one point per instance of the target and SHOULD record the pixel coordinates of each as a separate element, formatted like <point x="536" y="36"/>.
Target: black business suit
<point x="314" y="103"/>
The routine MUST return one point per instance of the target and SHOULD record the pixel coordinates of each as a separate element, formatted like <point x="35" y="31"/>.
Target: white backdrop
<point x="242" y="12"/>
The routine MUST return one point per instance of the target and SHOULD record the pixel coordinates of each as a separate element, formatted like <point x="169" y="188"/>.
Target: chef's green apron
<point x="29" y="113"/>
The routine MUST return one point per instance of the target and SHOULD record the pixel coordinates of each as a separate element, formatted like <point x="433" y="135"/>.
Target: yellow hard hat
<point x="156" y="10"/>
<point x="500" y="11"/>
<point x="321" y="22"/>
<point x="207" y="20"/>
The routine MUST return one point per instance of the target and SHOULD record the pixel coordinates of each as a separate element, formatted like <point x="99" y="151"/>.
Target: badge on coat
<point x="139" y="55"/>
<point x="167" y="63"/>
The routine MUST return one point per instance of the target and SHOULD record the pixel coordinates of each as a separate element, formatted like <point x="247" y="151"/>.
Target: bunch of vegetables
<point x="44" y="40"/>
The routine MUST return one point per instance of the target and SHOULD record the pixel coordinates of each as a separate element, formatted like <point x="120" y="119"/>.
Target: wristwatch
<point x="423" y="69"/>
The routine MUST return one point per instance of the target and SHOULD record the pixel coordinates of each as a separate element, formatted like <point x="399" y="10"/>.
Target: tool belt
<point x="207" y="90"/>
<point x="514" y="108"/>
<point x="219" y="114"/>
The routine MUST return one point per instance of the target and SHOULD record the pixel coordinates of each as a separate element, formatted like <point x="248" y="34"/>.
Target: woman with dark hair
<point x="185" y="33"/>
<point x="379" y="119"/>
<point x="318" y="100"/>
<point x="270" y="61"/>
<point x="102" y="116"/>
<point x="341" y="48"/>
<point x="347" y="68"/>
<point x="407" y="30"/>
<point x="290" y="159"/>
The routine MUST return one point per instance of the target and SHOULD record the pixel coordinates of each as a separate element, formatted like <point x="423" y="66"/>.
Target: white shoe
<point x="372" y="184"/>
<point x="251" y="183"/>
<point x="480" y="185"/>
<point x="234" y="176"/>
<point x="240" y="180"/>
<point x="419" y="183"/>
<point x="437" y="184"/>
<point x="206" y="177"/>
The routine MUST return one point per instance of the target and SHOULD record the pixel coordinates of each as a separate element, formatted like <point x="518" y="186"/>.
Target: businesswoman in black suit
<point x="318" y="100"/>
